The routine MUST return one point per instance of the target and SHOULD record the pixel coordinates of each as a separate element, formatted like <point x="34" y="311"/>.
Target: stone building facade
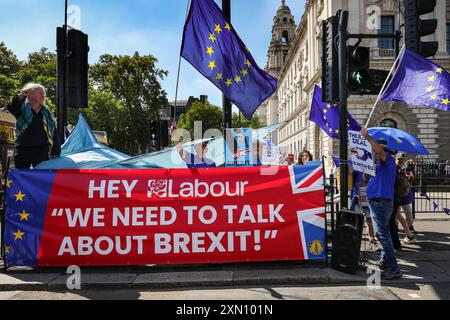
<point x="301" y="70"/>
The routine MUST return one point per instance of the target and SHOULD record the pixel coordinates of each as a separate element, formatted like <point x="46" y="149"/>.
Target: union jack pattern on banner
<point x="312" y="230"/>
<point x="304" y="180"/>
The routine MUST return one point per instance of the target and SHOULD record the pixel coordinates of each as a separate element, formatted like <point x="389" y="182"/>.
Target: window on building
<point x="388" y="123"/>
<point x="387" y="26"/>
<point x="284" y="37"/>
<point x="448" y="38"/>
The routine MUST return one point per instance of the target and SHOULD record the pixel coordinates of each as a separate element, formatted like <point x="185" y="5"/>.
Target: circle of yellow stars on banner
<point x="220" y="77"/>
<point x="432" y="86"/>
<point x="24" y="216"/>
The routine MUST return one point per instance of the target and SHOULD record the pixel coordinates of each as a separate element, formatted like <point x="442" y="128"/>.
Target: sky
<point x="122" y="27"/>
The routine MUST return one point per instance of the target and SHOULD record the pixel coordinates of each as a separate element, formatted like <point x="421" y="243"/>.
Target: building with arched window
<point x="300" y="70"/>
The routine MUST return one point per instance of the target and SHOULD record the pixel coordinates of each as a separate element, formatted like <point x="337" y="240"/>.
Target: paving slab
<point x="419" y="267"/>
<point x="289" y="276"/>
<point x="26" y="281"/>
<point x="96" y="281"/>
<point x="183" y="279"/>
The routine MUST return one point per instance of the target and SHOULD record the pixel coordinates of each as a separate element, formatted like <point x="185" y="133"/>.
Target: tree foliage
<point x="209" y="115"/>
<point x="133" y="81"/>
<point x="239" y="121"/>
<point x="9" y="67"/>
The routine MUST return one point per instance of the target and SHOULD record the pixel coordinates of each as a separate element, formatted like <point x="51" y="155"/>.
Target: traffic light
<point x="155" y="135"/>
<point x="164" y="125"/>
<point x="159" y="134"/>
<point x="330" y="60"/>
<point x="77" y="60"/>
<point x="415" y="28"/>
<point x="358" y="70"/>
<point x="376" y="80"/>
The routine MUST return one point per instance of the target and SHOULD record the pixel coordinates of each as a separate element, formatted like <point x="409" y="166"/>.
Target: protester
<point x="290" y="160"/>
<point x="380" y="193"/>
<point x="398" y="194"/>
<point x="359" y="197"/>
<point x="197" y="160"/>
<point x="36" y="134"/>
<point x="304" y="157"/>
<point x="406" y="201"/>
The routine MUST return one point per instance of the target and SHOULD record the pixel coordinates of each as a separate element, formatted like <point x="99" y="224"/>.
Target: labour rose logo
<point x="158" y="188"/>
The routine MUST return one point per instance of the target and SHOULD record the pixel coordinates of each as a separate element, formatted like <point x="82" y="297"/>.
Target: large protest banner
<point x="161" y="216"/>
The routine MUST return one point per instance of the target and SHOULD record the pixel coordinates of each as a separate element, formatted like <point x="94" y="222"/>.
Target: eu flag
<point x="213" y="47"/>
<point x="25" y="216"/>
<point x="326" y="115"/>
<point x="419" y="82"/>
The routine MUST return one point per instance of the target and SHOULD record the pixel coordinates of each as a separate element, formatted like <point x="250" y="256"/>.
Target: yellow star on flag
<point x="210" y="51"/>
<point x="398" y="141"/>
<point x="327" y="124"/>
<point x="7" y="249"/>
<point x="227" y="26"/>
<point x="413" y="143"/>
<point x="229" y="82"/>
<point x="19" y="196"/>
<point x="329" y="106"/>
<point x="218" y="29"/>
<point x="433" y="97"/>
<point x="439" y="70"/>
<point x="244" y="72"/>
<point x="432" y="78"/>
<point x="24" y="216"/>
<point x="237" y="79"/>
<point x="219" y="76"/>
<point x="325" y="118"/>
<point x="445" y="101"/>
<point x="248" y="63"/>
<point x="331" y="130"/>
<point x="336" y="131"/>
<point x="325" y="111"/>
<point x="18" y="235"/>
<point x="212" y="65"/>
<point x="8" y="183"/>
<point x="430" y="88"/>
<point x="212" y="37"/>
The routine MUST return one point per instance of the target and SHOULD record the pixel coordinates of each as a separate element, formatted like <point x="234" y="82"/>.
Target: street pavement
<point x="424" y="263"/>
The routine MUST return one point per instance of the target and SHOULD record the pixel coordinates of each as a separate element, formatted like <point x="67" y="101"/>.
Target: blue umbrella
<point x="398" y="140"/>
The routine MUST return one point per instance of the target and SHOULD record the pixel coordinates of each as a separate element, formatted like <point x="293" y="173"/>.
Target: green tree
<point x="9" y="67"/>
<point x="239" y="121"/>
<point x="134" y="82"/>
<point x="210" y="116"/>
<point x="104" y="114"/>
<point x="41" y="68"/>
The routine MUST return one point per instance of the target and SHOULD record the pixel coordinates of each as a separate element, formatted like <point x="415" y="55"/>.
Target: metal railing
<point x="431" y="187"/>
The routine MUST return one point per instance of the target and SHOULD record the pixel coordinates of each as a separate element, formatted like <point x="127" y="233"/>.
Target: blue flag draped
<point x="213" y="47"/>
<point x="326" y="115"/>
<point x="419" y="82"/>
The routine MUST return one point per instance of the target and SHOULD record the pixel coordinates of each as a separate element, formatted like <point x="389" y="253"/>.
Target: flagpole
<point x="226" y="104"/>
<point x="384" y="85"/>
<point x="173" y="116"/>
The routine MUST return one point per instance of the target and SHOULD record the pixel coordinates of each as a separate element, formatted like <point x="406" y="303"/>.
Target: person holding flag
<point x="380" y="193"/>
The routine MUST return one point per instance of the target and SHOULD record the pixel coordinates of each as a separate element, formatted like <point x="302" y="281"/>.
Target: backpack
<point x="402" y="185"/>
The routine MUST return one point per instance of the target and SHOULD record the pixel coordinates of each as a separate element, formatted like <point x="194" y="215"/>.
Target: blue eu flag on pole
<point x="213" y="47"/>
<point x="419" y="82"/>
<point x="326" y="115"/>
